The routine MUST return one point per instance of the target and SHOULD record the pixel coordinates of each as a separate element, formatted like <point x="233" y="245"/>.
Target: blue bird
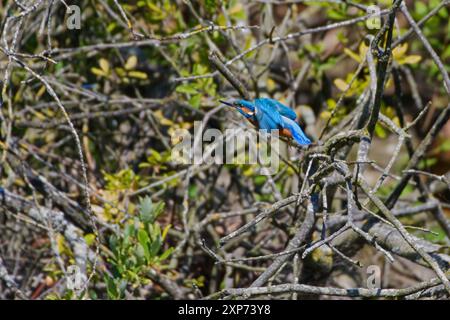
<point x="269" y="114"/>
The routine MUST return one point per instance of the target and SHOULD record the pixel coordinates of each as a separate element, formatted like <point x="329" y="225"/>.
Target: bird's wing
<point x="268" y="118"/>
<point x="296" y="131"/>
<point x="280" y="108"/>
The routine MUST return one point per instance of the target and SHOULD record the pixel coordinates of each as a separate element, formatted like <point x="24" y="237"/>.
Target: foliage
<point x="136" y="248"/>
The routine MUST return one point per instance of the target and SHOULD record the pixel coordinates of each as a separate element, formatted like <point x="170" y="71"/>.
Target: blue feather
<point x="267" y="117"/>
<point x="296" y="131"/>
<point x="247" y="104"/>
<point x="278" y="107"/>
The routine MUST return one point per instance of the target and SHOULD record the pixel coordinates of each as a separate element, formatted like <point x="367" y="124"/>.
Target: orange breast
<point x="286" y="133"/>
<point x="246" y="110"/>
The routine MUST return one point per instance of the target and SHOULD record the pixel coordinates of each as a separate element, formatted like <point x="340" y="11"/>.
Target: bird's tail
<point x="297" y="132"/>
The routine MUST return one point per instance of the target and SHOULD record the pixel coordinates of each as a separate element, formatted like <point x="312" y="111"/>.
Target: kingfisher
<point x="269" y="114"/>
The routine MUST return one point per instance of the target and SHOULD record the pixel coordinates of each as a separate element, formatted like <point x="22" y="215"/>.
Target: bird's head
<point x="246" y="108"/>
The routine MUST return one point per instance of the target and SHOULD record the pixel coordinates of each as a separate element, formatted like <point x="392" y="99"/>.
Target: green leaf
<point x="260" y="180"/>
<point x="158" y="209"/>
<point x="421" y="8"/>
<point x="446" y="53"/>
<point x="380" y="132"/>
<point x="111" y="287"/>
<point x="187" y="88"/>
<point x="195" y="101"/>
<point x="146" y="210"/>
<point x="155" y="232"/>
<point x="340" y="84"/>
<point x="166" y="254"/>
<point x="193" y="191"/>
<point x="131" y="63"/>
<point x="155" y="247"/>
<point x="98" y="72"/>
<point x="104" y="65"/>
<point x="59" y="66"/>
<point x="143" y="238"/>
<point x="426" y="163"/>
<point x="113" y="243"/>
<point x="52" y="296"/>
<point x="445" y="146"/>
<point x="138" y="75"/>
<point x="141" y="253"/>
<point x="210" y="5"/>
<point x="412" y="59"/>
<point x="352" y="55"/>
<point x="199" y="69"/>
<point x="336" y="15"/>
<point x="89" y="238"/>
<point x="144" y="241"/>
<point x="128" y="232"/>
<point x="165" y="231"/>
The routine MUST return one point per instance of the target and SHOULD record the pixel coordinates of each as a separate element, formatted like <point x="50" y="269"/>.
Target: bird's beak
<point x="227" y="103"/>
